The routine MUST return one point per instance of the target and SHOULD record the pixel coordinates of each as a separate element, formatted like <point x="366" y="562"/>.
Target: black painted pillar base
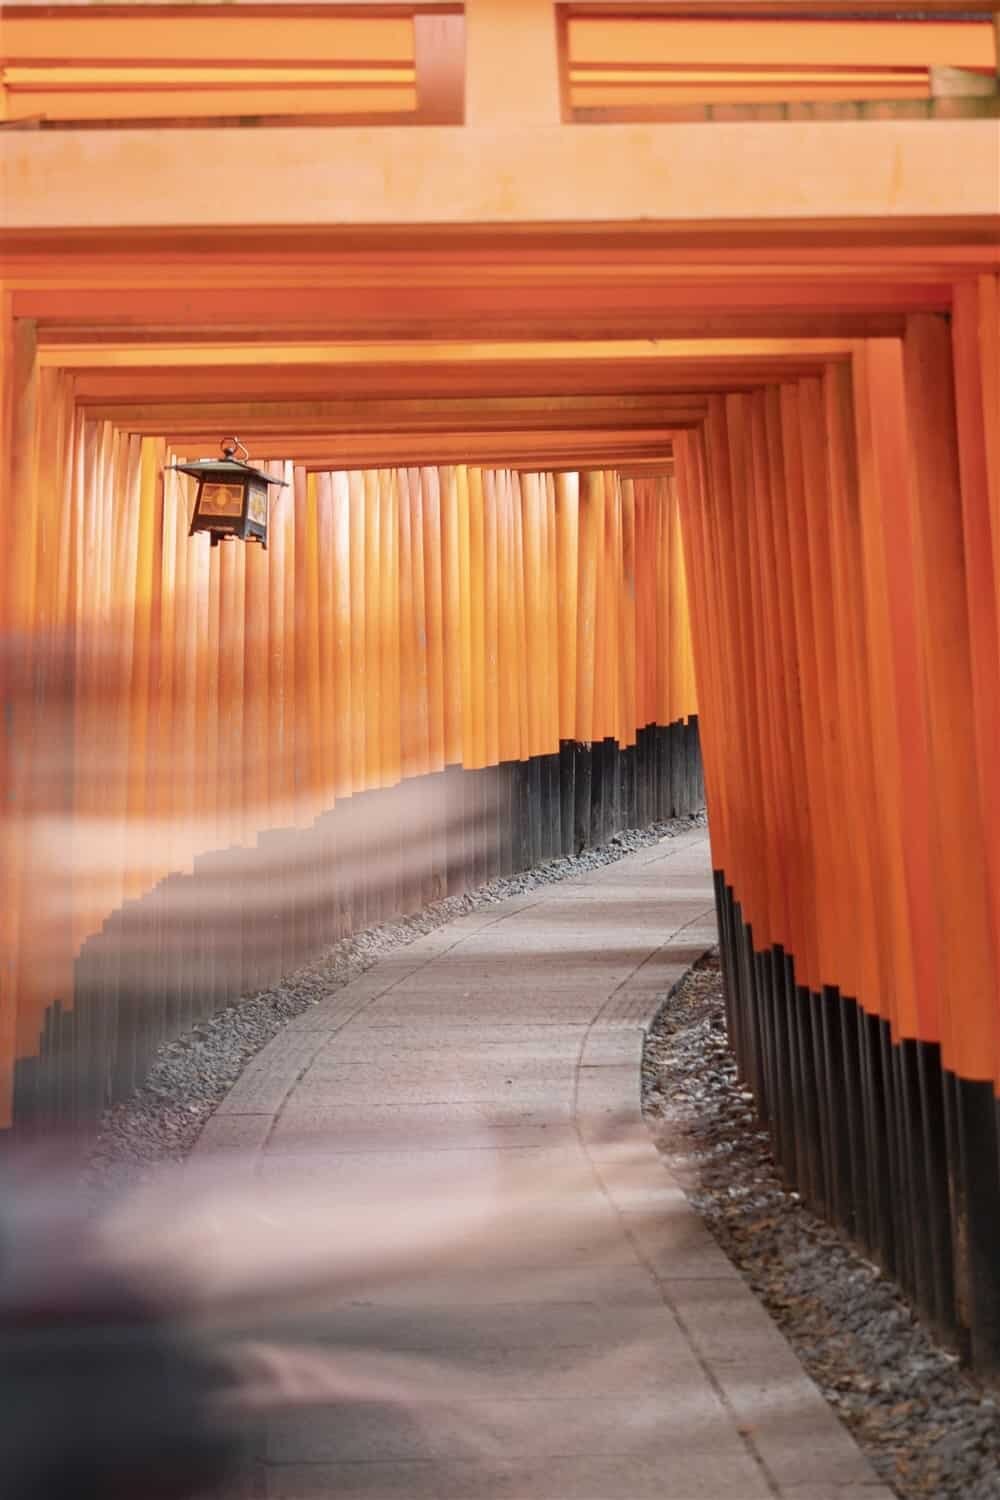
<point x="873" y="1132"/>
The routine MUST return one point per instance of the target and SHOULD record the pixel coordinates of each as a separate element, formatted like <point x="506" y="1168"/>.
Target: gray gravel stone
<point x="926" y="1425"/>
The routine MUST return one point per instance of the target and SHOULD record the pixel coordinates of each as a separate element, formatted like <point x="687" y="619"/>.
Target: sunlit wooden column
<point x="960" y="859"/>
<point x="567" y="556"/>
<point x="8" y="908"/>
<point x="897" y="720"/>
<point x="731" y="472"/>
<point x="862" y="834"/>
<point x="976" y="353"/>
<point x="727" y="463"/>
<point x="18" y="529"/>
<point x="976" y="350"/>
<point x="710" y="657"/>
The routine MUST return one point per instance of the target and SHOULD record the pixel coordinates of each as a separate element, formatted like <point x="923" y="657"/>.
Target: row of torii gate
<point x="599" y="406"/>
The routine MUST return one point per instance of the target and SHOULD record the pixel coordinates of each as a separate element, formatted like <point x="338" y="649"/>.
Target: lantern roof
<point x="222" y="469"/>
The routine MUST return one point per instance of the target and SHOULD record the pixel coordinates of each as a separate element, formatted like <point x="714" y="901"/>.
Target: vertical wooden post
<point x="568" y="556"/>
<point x="451" y="624"/>
<point x="960" y="862"/>
<point x="392" y="722"/>
<point x="430" y="485"/>
<point x="976" y="356"/>
<point x="338" y="581"/>
<point x="492" y="707"/>
<point x="510" y="718"/>
<point x="959" y="854"/>
<point x="17" y="604"/>
<point x="512" y="64"/>
<point x="439" y="45"/>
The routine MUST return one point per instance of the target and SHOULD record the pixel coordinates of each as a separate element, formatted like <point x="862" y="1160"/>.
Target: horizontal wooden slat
<point x="788" y="10"/>
<point x="632" y="96"/>
<point x="186" y="76"/>
<point x="144" y="39"/>
<point x="667" y="40"/>
<point x="649" y="73"/>
<point x="154" y="104"/>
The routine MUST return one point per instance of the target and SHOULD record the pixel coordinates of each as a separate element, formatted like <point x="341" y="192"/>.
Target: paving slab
<point x="541" y="1315"/>
<point x="704" y="1476"/>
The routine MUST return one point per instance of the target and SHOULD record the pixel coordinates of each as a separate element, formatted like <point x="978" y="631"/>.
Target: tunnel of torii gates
<point x="547" y="379"/>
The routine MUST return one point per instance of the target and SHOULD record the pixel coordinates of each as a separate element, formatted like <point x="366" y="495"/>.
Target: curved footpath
<point x="618" y="1364"/>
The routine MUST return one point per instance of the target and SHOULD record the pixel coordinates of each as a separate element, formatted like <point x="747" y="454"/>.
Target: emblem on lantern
<point x="232" y="498"/>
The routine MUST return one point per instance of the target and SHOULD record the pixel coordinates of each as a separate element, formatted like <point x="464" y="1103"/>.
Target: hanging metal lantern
<point x="232" y="499"/>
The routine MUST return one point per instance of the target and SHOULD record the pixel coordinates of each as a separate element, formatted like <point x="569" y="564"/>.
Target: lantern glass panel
<point x="257" y="509"/>
<point x="221" y="500"/>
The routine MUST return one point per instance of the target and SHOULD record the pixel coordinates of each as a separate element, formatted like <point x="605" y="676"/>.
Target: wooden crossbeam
<point x="400" y="450"/>
<point x="450" y="415"/>
<point x="687" y="352"/>
<point x="793" y="261"/>
<point x="99" y="388"/>
<point x="349" y="179"/>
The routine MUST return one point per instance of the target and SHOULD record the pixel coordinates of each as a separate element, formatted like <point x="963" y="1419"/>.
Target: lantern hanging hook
<point x="229" y="447"/>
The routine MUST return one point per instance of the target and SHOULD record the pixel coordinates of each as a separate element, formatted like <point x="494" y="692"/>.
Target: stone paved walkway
<point x="598" y="1346"/>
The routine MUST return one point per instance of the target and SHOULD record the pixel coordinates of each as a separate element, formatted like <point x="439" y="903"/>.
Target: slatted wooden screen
<point x="195" y="64"/>
<point x="644" y="65"/>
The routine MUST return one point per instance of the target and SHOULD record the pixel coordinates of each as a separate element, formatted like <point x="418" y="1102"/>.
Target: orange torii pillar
<point x="843" y="536"/>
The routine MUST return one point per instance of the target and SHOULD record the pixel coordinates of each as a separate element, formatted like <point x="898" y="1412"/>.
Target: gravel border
<point x="927" y="1426"/>
<point x="192" y="1075"/>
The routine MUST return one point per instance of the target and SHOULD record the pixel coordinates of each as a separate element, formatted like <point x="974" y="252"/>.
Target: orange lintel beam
<point x="689" y="353"/>
<point x="122" y="386"/>
<point x="789" y="263"/>
<point x="317" y="310"/>
<point x="760" y="321"/>
<point x="442" y="415"/>
<point x="262" y="312"/>
<point x="884" y="170"/>
<point x="384" y="450"/>
<point x="461" y="260"/>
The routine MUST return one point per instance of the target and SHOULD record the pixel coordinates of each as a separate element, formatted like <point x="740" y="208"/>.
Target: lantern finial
<point x="229" y="447"/>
